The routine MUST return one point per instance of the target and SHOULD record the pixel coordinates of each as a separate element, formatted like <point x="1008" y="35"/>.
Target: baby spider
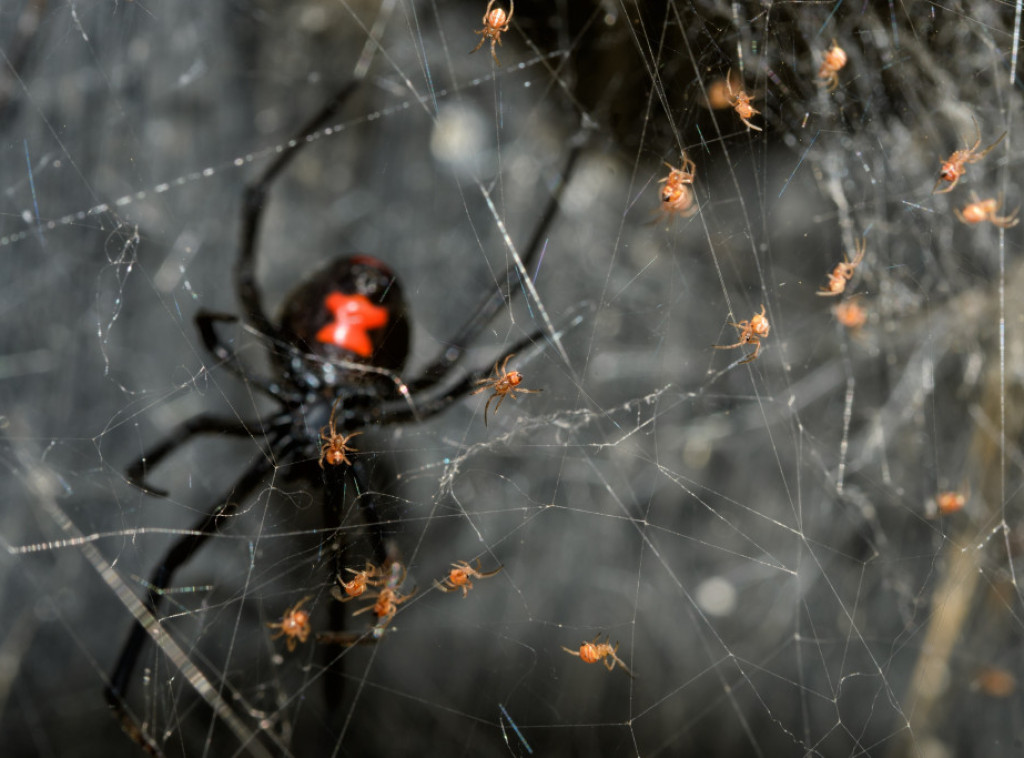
<point x="335" y="446"/>
<point x="740" y="102"/>
<point x="954" y="168"/>
<point x="387" y="600"/>
<point x="495" y="23"/>
<point x="371" y="576"/>
<point x="843" y="272"/>
<point x="751" y="333"/>
<point x="503" y="385"/>
<point x="835" y="59"/>
<point x="950" y="501"/>
<point x="592" y="652"/>
<point x="850" y="314"/>
<point x="985" y="210"/>
<point x="294" y="625"/>
<point x="994" y="682"/>
<point x="458" y="577"/>
<point x="677" y="195"/>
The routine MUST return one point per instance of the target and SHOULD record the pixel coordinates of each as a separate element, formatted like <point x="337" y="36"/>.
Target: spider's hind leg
<point x="180" y="552"/>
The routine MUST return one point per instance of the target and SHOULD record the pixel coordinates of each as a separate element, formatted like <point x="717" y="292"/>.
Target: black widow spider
<point x="340" y="343"/>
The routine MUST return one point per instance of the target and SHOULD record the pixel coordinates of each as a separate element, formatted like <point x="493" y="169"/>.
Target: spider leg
<point x="205" y="321"/>
<point x="180" y="552"/>
<point x="1008" y="221"/>
<point x="335" y="515"/>
<point x="989" y="149"/>
<point x="862" y="246"/>
<point x="977" y="132"/>
<point x="752" y="356"/>
<point x="372" y="517"/>
<point x="480" y="44"/>
<point x="399" y="411"/>
<point x="202" y="424"/>
<point x="488" y="405"/>
<point x="487" y="574"/>
<point x="434" y="373"/>
<point x="369" y="607"/>
<point x="752" y="126"/>
<point x="622" y="666"/>
<point x="246" y="287"/>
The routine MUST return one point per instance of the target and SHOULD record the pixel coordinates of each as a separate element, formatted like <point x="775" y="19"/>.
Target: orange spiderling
<point x="503" y="383"/>
<point x="677" y="194"/>
<point x="495" y="24"/>
<point x="751" y="333"/>
<point x="834" y="59"/>
<point x="371" y="576"/>
<point x="740" y="102"/>
<point x="459" y="577"/>
<point x="592" y="652"/>
<point x="294" y="625"/>
<point x="954" y="167"/>
<point x="986" y="210"/>
<point x="850" y="314"/>
<point x="843" y="272"/>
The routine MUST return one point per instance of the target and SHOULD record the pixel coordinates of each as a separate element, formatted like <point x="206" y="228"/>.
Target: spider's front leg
<point x="203" y="424"/>
<point x="205" y="323"/>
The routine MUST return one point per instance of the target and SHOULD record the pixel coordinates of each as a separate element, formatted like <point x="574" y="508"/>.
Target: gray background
<point x="760" y="538"/>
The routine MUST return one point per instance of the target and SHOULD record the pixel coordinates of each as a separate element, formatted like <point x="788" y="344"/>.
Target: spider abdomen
<point x="353" y="310"/>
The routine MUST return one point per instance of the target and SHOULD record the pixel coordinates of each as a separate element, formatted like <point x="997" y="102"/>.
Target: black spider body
<point x="337" y="351"/>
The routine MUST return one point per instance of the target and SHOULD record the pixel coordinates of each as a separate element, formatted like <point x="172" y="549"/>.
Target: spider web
<point x="761" y="539"/>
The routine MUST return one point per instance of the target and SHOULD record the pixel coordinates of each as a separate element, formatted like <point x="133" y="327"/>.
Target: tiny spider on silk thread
<point x="751" y="333"/>
<point x="592" y="652"/>
<point x="459" y="577"/>
<point x="387" y="599"/>
<point x="371" y="576"/>
<point x="740" y="102"/>
<point x="954" y="167"/>
<point x="843" y="272"/>
<point x="294" y="625"/>
<point x="496" y="23"/>
<point x="503" y="383"/>
<point x="987" y="210"/>
<point x="831" y="63"/>
<point x="677" y="198"/>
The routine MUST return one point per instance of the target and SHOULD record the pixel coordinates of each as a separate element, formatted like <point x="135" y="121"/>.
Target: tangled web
<point x="814" y="552"/>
